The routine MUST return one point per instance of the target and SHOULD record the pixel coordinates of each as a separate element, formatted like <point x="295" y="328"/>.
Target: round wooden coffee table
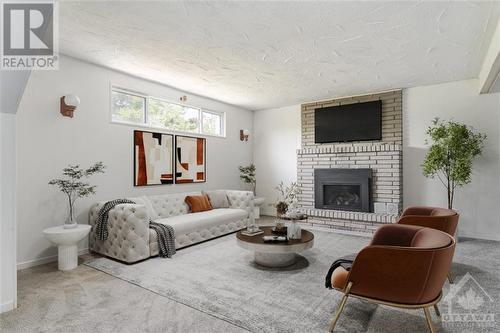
<point x="275" y="254"/>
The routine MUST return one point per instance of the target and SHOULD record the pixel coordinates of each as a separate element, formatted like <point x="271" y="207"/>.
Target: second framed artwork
<point x="161" y="159"/>
<point x="190" y="159"/>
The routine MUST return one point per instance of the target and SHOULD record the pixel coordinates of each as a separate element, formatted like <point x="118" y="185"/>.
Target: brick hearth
<point x="384" y="157"/>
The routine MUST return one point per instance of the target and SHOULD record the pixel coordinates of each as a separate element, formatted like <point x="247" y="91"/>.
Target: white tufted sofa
<point x="131" y="240"/>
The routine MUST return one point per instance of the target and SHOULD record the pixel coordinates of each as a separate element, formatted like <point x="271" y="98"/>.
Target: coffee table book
<point x="247" y="233"/>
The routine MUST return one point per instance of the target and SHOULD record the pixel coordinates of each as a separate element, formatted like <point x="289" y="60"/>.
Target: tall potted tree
<point x="451" y="154"/>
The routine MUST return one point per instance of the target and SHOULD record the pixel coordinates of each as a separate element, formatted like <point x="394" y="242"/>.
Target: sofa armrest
<point x="243" y="200"/>
<point x="128" y="232"/>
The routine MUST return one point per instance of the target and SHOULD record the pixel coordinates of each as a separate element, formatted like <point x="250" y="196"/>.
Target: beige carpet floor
<point x="89" y="300"/>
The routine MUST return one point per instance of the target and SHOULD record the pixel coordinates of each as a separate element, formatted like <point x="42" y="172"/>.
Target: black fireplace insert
<point x="343" y="189"/>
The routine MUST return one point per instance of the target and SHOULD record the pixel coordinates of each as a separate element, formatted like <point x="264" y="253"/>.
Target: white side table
<point x="66" y="241"/>
<point x="257" y="201"/>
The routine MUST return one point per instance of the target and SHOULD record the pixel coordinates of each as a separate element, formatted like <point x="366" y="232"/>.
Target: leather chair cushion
<point x="387" y="235"/>
<point x="410" y="236"/>
<point x="339" y="278"/>
<point x="427" y="238"/>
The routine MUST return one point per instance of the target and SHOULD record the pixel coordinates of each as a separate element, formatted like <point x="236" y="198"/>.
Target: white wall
<point x="277" y="138"/>
<point x="478" y="202"/>
<point x="8" y="277"/>
<point x="47" y="142"/>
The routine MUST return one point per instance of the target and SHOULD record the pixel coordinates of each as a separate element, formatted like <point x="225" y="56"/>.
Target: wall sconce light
<point x="183" y="98"/>
<point x="68" y="105"/>
<point x="244" y="133"/>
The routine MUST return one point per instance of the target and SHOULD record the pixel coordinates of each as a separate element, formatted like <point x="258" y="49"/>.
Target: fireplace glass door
<point x="343" y="189"/>
<point x="342" y="196"/>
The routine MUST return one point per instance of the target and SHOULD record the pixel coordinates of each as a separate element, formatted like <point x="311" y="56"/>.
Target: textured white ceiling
<point x="268" y="54"/>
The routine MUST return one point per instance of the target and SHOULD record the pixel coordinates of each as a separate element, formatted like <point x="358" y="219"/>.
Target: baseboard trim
<point x="44" y="260"/>
<point x="7" y="306"/>
<point x="483" y="237"/>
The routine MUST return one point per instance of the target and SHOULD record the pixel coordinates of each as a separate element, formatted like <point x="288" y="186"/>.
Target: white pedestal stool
<point x="66" y="241"/>
<point x="258" y="202"/>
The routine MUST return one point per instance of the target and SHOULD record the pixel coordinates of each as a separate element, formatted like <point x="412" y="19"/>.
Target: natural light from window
<point x="172" y="116"/>
<point x="211" y="123"/>
<point x="135" y="108"/>
<point x="126" y="107"/>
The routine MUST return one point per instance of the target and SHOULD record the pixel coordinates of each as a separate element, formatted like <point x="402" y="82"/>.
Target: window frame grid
<point x="221" y="121"/>
<point x="132" y="93"/>
<point x="199" y="131"/>
<point x="145" y="123"/>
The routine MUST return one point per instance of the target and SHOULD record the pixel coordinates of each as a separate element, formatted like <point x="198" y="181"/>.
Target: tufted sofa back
<point x="168" y="205"/>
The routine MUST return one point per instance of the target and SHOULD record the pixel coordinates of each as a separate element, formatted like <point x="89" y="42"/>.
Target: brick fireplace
<point x="352" y="186"/>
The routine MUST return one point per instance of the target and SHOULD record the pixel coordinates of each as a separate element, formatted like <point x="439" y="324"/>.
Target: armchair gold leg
<point x="438" y="313"/>
<point x="429" y="320"/>
<point x="341" y="307"/>
<point x="450" y="278"/>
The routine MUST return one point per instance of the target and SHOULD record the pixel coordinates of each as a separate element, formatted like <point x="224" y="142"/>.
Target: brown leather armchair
<point x="404" y="266"/>
<point x="432" y="217"/>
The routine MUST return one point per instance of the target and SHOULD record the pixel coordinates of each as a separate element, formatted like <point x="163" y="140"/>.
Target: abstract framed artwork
<point x="190" y="159"/>
<point x="153" y="158"/>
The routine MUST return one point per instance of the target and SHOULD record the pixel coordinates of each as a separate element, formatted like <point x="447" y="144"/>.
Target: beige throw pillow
<point x="218" y="199"/>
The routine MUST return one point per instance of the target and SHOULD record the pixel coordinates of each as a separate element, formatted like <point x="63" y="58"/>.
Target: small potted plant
<point x="286" y="201"/>
<point x="75" y="188"/>
<point x="247" y="175"/>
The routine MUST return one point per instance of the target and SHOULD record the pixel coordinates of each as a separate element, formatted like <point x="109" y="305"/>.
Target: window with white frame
<point x="211" y="122"/>
<point x="135" y="108"/>
<point x="128" y="107"/>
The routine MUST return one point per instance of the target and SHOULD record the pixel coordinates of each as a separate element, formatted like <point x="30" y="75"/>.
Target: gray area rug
<point x="219" y="278"/>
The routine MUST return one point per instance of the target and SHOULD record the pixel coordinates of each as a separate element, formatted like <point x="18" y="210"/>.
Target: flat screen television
<point x="350" y="122"/>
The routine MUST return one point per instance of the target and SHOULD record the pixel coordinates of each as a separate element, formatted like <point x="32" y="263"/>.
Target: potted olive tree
<point x="451" y="154"/>
<point x="247" y="175"/>
<point x="73" y="186"/>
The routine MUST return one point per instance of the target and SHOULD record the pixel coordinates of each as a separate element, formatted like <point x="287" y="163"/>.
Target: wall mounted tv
<point x="350" y="122"/>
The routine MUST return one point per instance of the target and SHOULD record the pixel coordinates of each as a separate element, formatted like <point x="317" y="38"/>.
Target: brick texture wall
<point x="384" y="157"/>
<point x="392" y="116"/>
